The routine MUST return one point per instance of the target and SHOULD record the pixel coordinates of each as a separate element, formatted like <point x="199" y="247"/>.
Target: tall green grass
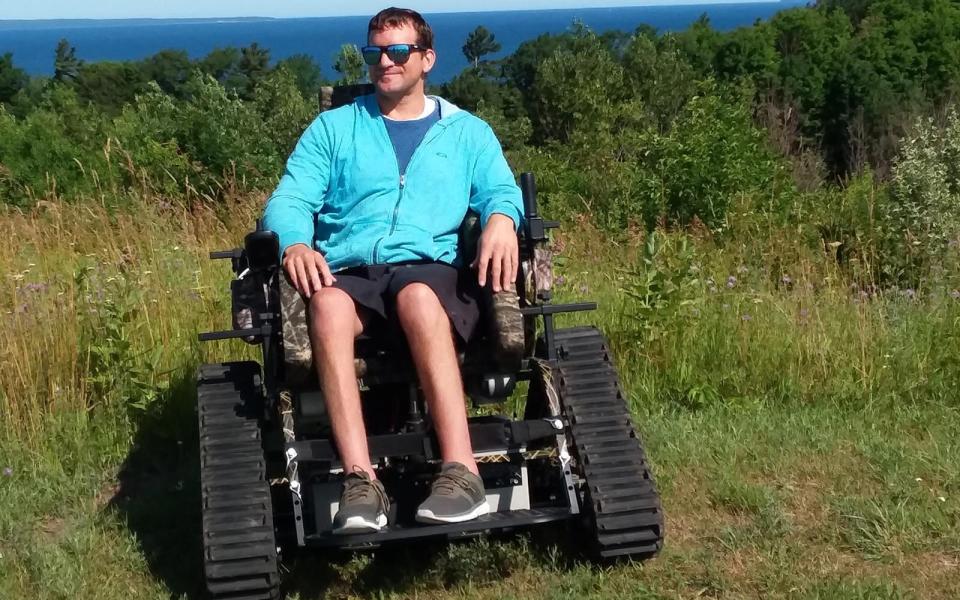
<point x="792" y="411"/>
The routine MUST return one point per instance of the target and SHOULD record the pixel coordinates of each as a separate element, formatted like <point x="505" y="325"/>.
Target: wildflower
<point x="35" y="287"/>
<point x="8" y="472"/>
<point x="742" y="269"/>
<point x="786" y="280"/>
<point x="584" y="289"/>
<point x="731" y="281"/>
<point x="909" y="293"/>
<point x="955" y="294"/>
<point x="561" y="280"/>
<point x="746" y="317"/>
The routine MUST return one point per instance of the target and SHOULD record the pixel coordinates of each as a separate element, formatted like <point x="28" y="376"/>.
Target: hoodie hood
<point x="449" y="112"/>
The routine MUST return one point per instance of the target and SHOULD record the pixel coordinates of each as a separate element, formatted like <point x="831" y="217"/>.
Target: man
<point x="368" y="213"/>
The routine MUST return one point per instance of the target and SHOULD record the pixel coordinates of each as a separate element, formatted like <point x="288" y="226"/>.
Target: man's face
<point x="397" y="80"/>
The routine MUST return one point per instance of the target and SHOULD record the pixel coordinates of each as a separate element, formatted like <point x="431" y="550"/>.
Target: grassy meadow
<point x="803" y="423"/>
<point x="788" y="337"/>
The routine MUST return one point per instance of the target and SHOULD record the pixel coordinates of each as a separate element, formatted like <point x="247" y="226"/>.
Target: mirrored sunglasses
<point x="397" y="53"/>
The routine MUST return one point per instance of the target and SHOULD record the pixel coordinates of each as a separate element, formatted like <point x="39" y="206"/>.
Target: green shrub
<point x="923" y="215"/>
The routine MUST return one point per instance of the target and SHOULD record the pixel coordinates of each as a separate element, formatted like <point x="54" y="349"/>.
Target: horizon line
<point x="434" y="12"/>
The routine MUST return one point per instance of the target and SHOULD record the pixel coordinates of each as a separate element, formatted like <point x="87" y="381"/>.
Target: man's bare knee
<point x="417" y="302"/>
<point x="333" y="312"/>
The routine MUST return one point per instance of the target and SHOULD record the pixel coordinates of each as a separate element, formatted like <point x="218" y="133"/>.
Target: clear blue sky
<point x="120" y="9"/>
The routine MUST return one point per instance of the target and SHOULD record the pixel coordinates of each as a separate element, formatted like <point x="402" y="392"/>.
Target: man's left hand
<point x="497" y="253"/>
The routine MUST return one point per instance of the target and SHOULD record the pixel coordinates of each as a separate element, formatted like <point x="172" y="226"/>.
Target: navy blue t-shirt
<point x="407" y="135"/>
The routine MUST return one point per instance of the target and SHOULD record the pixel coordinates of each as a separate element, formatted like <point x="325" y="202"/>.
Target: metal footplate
<point x="240" y="551"/>
<point x="620" y="494"/>
<point x="496" y="521"/>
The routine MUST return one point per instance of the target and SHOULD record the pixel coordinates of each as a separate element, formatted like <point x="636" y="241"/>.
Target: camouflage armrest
<point x="297" y="348"/>
<point x="297" y="351"/>
<point x="504" y="326"/>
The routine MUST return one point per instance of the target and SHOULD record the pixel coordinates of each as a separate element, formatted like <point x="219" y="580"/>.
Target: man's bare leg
<point x="334" y="325"/>
<point x="430" y="336"/>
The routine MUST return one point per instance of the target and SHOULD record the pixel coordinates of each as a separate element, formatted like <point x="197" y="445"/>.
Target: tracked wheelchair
<point x="269" y="472"/>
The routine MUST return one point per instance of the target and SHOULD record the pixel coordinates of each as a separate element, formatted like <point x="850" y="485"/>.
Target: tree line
<point x="630" y="128"/>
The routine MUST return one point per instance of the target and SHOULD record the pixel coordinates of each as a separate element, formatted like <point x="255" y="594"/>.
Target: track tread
<point x="620" y="494"/>
<point x="240" y="549"/>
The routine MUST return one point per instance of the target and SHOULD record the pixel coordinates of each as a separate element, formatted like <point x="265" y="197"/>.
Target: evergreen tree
<point x="254" y="65"/>
<point x="479" y="43"/>
<point x="349" y="64"/>
<point x="12" y="79"/>
<point x="66" y="65"/>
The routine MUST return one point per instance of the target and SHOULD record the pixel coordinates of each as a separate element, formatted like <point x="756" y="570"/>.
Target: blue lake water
<point x="33" y="42"/>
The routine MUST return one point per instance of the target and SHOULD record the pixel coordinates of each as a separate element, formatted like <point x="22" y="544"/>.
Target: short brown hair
<point x="393" y="18"/>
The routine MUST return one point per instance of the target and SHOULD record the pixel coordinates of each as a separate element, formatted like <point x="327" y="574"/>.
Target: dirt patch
<point x="52" y="529"/>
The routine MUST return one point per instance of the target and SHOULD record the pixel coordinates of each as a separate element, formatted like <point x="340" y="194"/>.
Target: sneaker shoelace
<point x="358" y="487"/>
<point x="446" y="483"/>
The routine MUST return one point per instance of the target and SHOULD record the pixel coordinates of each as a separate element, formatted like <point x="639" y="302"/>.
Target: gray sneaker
<point x="363" y="505"/>
<point x="457" y="495"/>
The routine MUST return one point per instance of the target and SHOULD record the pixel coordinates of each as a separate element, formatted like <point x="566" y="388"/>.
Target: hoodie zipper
<point x="403" y="181"/>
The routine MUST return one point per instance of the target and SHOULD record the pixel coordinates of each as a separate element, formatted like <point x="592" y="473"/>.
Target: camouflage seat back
<point x="335" y="97"/>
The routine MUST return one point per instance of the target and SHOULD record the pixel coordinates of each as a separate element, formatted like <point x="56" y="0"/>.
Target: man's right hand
<point x="307" y="269"/>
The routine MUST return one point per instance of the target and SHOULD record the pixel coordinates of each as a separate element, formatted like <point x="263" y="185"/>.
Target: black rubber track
<point x="239" y="544"/>
<point x="620" y="496"/>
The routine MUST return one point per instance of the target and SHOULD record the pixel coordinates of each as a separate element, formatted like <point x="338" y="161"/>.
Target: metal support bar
<point x="498" y="436"/>
<point x="264" y="331"/>
<point x="552" y="309"/>
<point x="218" y="254"/>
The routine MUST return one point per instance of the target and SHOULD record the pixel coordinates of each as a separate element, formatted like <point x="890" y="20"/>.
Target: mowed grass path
<point x="804" y="434"/>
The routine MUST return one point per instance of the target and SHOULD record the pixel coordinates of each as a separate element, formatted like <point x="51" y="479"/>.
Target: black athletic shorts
<point x="376" y="287"/>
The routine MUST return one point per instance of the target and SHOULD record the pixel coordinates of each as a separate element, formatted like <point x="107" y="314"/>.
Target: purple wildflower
<point x="786" y="280"/>
<point x="746" y="317"/>
<point x="8" y="471"/>
<point x="731" y="281"/>
<point x="955" y="294"/>
<point x="909" y="293"/>
<point x="35" y="287"/>
<point x="561" y="280"/>
<point x="584" y="289"/>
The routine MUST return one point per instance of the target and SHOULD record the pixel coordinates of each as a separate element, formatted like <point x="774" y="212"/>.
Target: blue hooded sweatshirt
<point x="342" y="192"/>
